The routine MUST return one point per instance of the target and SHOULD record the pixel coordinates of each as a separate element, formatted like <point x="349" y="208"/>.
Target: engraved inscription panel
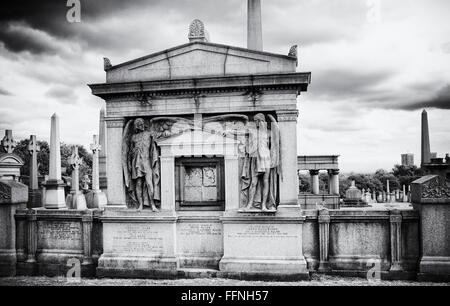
<point x="263" y="240"/>
<point x="133" y="238"/>
<point x="60" y="235"/>
<point x="200" y="184"/>
<point x="262" y="231"/>
<point x="200" y="239"/>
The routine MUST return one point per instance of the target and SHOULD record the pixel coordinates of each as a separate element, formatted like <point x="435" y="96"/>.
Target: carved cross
<point x="33" y="147"/>
<point x="75" y="160"/>
<point x="85" y="182"/>
<point x="95" y="146"/>
<point x="8" y="142"/>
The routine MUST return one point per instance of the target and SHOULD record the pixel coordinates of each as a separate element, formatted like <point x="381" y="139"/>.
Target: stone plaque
<point x="138" y="238"/>
<point x="133" y="238"/>
<point x="262" y="240"/>
<point x="200" y="184"/>
<point x="200" y="238"/>
<point x="59" y="235"/>
<point x="262" y="231"/>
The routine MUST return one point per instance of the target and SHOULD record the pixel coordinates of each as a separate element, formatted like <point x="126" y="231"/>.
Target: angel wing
<point x="275" y="145"/>
<point x="126" y="143"/>
<point x="167" y="126"/>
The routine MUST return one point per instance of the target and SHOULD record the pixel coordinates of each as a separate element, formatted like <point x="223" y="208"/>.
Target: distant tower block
<point x="254" y="25"/>
<point x="407" y="159"/>
<point x="54" y="186"/>
<point x="425" y="144"/>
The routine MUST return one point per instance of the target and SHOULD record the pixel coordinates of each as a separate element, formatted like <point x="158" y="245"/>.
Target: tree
<point x="406" y="174"/>
<point x="304" y="184"/>
<point x="44" y="154"/>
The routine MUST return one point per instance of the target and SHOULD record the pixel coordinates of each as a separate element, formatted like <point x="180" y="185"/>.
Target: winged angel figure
<point x="140" y="158"/>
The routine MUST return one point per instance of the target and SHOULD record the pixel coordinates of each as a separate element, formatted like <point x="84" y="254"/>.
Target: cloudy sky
<point x="375" y="65"/>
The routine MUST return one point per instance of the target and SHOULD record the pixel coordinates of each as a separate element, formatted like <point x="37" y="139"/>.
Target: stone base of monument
<point x="434" y="269"/>
<point x="76" y="200"/>
<point x="96" y="199"/>
<point x="55" y="242"/>
<point x="264" y="245"/>
<point x="138" y="243"/>
<point x="54" y="194"/>
<point x="34" y="198"/>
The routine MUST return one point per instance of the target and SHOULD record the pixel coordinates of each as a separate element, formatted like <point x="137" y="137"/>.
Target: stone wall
<point x="350" y="242"/>
<point x="48" y="239"/>
<point x="344" y="242"/>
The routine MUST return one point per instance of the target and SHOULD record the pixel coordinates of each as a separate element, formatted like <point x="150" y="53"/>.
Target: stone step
<point x="197" y="273"/>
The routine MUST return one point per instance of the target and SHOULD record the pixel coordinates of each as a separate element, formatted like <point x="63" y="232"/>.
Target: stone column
<point x="287" y="122"/>
<point x="102" y="155"/>
<point x="405" y="196"/>
<point x="116" y="187"/>
<point x="34" y="194"/>
<point x="231" y="183"/>
<point x="314" y="181"/>
<point x="54" y="186"/>
<point x="324" y="239"/>
<point x="333" y="181"/>
<point x="87" y="238"/>
<point x="31" y="237"/>
<point x="395" y="219"/>
<point x="96" y="198"/>
<point x="168" y="183"/>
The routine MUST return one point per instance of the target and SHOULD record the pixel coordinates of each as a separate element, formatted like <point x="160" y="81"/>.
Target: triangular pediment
<point x="199" y="59"/>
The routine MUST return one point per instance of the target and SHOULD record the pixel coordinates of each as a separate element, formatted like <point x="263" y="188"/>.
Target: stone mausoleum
<point x="198" y="159"/>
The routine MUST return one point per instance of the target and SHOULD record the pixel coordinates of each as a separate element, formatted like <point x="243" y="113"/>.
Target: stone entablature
<point x="214" y="84"/>
<point x="318" y="162"/>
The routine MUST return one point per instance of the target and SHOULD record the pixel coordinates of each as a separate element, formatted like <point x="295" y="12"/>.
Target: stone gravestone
<point x="13" y="196"/>
<point x="35" y="196"/>
<point x="96" y="198"/>
<point x="75" y="199"/>
<point x="430" y="195"/>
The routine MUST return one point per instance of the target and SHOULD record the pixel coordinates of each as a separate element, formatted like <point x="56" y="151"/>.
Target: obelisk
<point x="254" y="25"/>
<point x="425" y="141"/>
<point x="54" y="186"/>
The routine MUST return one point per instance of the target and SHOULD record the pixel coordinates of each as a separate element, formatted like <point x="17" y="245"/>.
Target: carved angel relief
<point x="261" y="165"/>
<point x="258" y="149"/>
<point x="140" y="158"/>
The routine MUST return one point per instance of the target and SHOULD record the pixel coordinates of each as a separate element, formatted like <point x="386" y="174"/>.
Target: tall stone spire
<point x="425" y="142"/>
<point x="254" y="25"/>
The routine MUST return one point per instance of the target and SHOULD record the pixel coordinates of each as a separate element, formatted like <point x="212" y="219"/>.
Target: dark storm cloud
<point x="440" y="100"/>
<point x="4" y="92"/>
<point x="49" y="16"/>
<point x="343" y="84"/>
